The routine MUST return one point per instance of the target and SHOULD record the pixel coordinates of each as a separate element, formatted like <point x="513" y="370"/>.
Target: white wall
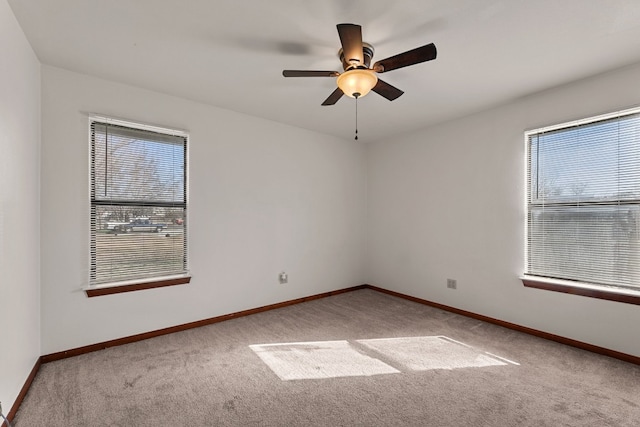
<point x="264" y="198"/>
<point x="448" y="202"/>
<point x="19" y="208"/>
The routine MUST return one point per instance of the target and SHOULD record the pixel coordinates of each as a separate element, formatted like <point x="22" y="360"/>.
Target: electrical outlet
<point x="283" y="278"/>
<point x="452" y="284"/>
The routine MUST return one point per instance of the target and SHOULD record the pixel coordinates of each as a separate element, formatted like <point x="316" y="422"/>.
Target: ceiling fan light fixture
<point x="358" y="81"/>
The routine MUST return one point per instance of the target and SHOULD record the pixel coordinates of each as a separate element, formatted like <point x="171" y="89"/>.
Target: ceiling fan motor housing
<point x="367" y="51"/>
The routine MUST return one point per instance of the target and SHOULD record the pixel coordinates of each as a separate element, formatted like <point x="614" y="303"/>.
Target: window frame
<point x="135" y="284"/>
<point x="574" y="287"/>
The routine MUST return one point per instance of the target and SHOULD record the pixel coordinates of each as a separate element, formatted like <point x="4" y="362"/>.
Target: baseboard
<point x="541" y="334"/>
<point x="23" y="392"/>
<point x="146" y="335"/>
<point x="139" y="337"/>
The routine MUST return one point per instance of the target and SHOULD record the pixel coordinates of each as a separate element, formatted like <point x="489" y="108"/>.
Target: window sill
<point x="98" y="291"/>
<point x="627" y="296"/>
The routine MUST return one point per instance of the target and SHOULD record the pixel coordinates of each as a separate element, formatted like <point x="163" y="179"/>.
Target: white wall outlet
<point x="283" y="278"/>
<point x="452" y="284"/>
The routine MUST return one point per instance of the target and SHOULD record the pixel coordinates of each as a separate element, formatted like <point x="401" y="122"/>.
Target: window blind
<point x="583" y="201"/>
<point x="138" y="204"/>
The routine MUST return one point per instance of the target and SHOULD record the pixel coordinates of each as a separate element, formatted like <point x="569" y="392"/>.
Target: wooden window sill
<point x="110" y="290"/>
<point x="591" y="291"/>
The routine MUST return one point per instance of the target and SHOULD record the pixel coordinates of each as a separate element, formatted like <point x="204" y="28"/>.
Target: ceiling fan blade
<point x="334" y="97"/>
<point x="351" y="39"/>
<point x="309" y="73"/>
<point x="385" y="89"/>
<point x="410" y="57"/>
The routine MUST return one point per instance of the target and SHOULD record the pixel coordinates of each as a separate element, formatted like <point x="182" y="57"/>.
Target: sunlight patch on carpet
<point x="331" y="359"/>
<point x="314" y="360"/>
<point x="439" y="352"/>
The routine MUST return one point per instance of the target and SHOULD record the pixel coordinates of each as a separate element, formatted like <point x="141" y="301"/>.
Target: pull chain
<point x="356" y="95"/>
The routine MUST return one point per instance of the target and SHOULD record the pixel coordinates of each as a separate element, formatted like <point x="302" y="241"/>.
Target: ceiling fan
<point x="358" y="79"/>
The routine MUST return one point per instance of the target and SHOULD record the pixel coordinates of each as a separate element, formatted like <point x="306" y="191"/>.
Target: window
<point x="583" y="203"/>
<point x="138" y="205"/>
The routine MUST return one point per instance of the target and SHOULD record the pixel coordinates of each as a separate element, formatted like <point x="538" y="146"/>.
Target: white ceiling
<point x="231" y="53"/>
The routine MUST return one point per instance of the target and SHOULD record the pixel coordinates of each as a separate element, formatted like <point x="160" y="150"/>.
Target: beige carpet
<point x="361" y="358"/>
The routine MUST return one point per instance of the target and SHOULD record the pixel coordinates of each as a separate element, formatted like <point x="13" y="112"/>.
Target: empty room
<point x="334" y="213"/>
